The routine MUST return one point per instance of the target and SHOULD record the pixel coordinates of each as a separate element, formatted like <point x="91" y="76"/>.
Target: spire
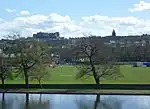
<point x="113" y="33"/>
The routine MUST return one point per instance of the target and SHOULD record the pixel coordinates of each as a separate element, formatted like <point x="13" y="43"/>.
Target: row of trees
<point x="24" y="58"/>
<point x="30" y="59"/>
<point x="124" y="53"/>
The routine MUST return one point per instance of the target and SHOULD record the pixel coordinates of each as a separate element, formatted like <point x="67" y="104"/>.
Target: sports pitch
<point x="66" y="75"/>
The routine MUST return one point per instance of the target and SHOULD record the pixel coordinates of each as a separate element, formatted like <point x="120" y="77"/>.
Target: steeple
<point x="113" y="33"/>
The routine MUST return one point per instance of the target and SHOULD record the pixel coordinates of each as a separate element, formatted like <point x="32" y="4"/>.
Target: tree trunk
<point x="3" y="83"/>
<point x="96" y="80"/>
<point x="26" y="79"/>
<point x="40" y="84"/>
<point x="94" y="72"/>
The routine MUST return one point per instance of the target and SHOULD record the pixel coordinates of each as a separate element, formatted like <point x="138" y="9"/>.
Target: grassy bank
<point x="66" y="75"/>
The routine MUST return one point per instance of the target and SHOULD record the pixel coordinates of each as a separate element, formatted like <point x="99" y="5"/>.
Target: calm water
<point x="55" y="101"/>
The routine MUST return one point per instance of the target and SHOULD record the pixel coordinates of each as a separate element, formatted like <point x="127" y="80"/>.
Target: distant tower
<point x="113" y="33"/>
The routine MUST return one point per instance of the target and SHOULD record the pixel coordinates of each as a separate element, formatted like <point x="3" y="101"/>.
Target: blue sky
<point x="44" y="15"/>
<point x="73" y="8"/>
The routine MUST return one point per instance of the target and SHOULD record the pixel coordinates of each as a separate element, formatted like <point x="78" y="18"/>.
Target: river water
<point x="58" y="101"/>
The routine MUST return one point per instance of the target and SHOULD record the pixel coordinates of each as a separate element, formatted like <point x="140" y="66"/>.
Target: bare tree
<point x="40" y="72"/>
<point x="27" y="55"/>
<point x="4" y="66"/>
<point x="96" y="60"/>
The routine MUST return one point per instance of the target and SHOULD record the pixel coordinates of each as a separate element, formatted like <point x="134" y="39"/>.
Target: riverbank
<point x="66" y="91"/>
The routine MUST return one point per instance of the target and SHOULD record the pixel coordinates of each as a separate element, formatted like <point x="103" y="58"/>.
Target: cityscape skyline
<point x="75" y="18"/>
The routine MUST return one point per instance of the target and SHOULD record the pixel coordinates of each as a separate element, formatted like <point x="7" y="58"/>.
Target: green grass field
<point x="66" y="75"/>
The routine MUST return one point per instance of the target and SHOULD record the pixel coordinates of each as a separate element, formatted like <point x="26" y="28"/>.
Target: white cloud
<point x="24" y="13"/>
<point x="96" y="25"/>
<point x="142" y="6"/>
<point x="10" y="10"/>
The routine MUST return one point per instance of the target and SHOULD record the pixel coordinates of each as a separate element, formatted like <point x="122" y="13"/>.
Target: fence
<point x="81" y="86"/>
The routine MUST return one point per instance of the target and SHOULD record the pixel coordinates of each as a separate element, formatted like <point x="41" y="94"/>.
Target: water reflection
<point x="56" y="101"/>
<point x="23" y="101"/>
<point x="35" y="103"/>
<point x="6" y="104"/>
<point x="106" y="103"/>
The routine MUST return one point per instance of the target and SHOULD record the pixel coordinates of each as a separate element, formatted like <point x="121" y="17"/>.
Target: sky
<point x="75" y="18"/>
